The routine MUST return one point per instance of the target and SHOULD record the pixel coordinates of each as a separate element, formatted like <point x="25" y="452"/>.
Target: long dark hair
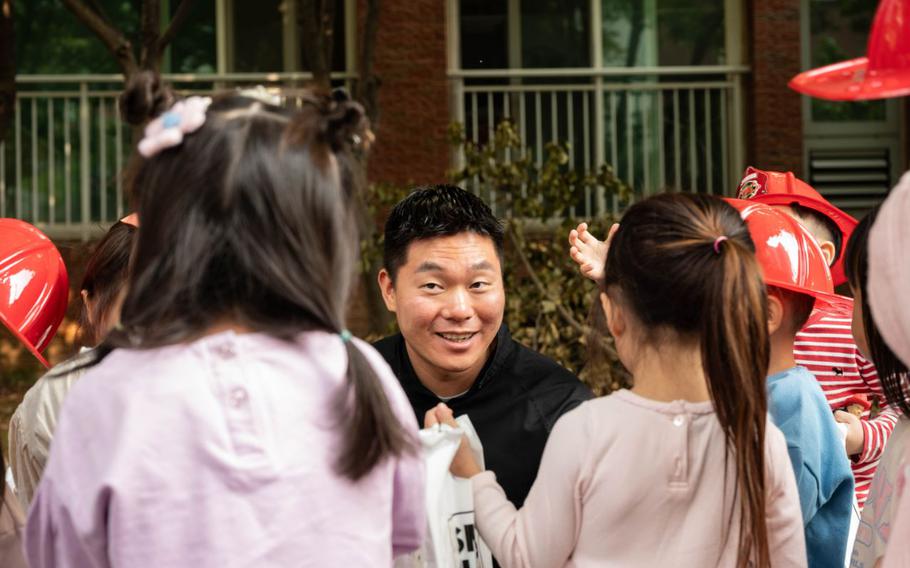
<point x="105" y="276"/>
<point x="668" y="267"/>
<point x="892" y="372"/>
<point x="248" y="220"/>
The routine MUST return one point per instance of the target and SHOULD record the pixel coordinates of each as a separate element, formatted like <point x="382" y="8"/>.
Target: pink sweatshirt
<point x="220" y="453"/>
<point x="627" y="481"/>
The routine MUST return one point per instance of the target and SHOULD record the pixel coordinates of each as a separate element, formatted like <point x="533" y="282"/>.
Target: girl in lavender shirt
<point x="230" y="420"/>
<point x="684" y="469"/>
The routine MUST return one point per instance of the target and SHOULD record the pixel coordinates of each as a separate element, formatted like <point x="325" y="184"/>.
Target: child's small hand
<point x="856" y="437"/>
<point x="463" y="464"/>
<point x="588" y="252"/>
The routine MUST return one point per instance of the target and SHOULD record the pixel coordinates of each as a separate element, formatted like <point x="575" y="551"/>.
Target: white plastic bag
<point x="452" y="540"/>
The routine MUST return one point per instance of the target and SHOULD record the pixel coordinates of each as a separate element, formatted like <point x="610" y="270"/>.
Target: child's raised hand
<point x="463" y="464"/>
<point x="588" y="252"/>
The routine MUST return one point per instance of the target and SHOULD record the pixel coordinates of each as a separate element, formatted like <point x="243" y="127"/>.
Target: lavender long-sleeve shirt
<point x="630" y="482"/>
<point x="220" y="453"/>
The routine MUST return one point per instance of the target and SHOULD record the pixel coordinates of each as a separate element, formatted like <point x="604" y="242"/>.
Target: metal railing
<point x="661" y="128"/>
<point x="61" y="165"/>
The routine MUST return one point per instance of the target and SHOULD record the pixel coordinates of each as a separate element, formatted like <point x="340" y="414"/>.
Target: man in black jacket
<point x="442" y="278"/>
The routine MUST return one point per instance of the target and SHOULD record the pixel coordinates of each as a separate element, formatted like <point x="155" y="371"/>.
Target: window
<point x="193" y="48"/>
<point x="662" y="32"/>
<point x="484" y="34"/>
<point x="555" y="33"/>
<point x="255" y="36"/>
<point x="839" y="30"/>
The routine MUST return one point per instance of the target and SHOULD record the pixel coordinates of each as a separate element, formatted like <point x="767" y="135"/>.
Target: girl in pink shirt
<point x="685" y="469"/>
<point x="230" y="419"/>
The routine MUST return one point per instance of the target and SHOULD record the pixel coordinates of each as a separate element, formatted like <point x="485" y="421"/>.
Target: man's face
<point x="448" y="298"/>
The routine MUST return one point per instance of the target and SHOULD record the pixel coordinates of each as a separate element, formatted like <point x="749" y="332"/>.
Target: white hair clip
<point x="261" y="94"/>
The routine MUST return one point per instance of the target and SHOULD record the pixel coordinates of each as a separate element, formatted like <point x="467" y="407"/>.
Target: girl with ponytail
<point x="230" y="419"/>
<point x="879" y="514"/>
<point x="684" y="469"/>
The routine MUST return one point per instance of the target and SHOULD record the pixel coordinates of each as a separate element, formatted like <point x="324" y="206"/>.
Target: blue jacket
<point x="799" y="409"/>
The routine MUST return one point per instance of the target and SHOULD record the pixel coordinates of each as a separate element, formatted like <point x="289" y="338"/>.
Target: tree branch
<point x="115" y="42"/>
<point x="311" y="16"/>
<point x="7" y="66"/>
<point x="327" y="31"/>
<point x="149" y="30"/>
<point x="565" y="313"/>
<point x="99" y="9"/>
<point x="180" y="16"/>
<point x="367" y="85"/>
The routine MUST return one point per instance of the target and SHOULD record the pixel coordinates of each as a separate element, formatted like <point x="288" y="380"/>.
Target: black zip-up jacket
<point x="513" y="404"/>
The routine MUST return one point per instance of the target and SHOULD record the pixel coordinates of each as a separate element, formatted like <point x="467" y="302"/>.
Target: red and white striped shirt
<point x="825" y="346"/>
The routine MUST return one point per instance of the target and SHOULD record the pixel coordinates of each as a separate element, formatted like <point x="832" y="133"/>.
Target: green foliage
<point x="49" y="39"/>
<point x="548" y="302"/>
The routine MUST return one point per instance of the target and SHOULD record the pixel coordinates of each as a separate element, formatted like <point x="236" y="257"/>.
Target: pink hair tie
<point x="717" y="242"/>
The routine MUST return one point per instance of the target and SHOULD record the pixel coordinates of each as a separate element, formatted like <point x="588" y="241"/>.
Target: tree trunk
<point x="7" y="67"/>
<point x="366" y="88"/>
<point x="316" y="23"/>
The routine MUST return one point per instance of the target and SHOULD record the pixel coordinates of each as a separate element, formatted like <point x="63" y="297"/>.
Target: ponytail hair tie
<point x="345" y="335"/>
<point x="717" y="242"/>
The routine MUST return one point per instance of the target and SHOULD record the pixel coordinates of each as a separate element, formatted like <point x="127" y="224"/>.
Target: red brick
<point x="411" y="144"/>
<point x="774" y="121"/>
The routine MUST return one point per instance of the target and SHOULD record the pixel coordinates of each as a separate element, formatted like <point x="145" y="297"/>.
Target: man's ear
<point x="776" y="313"/>
<point x="828" y="251"/>
<point x="616" y="321"/>
<point x="387" y="287"/>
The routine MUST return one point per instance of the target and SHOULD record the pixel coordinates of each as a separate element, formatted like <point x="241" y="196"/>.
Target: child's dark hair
<point x="797" y="307"/>
<point x="105" y="276"/>
<point x="667" y="266"/>
<point x="436" y="211"/>
<point x="248" y="221"/>
<point x="892" y="372"/>
<point x="816" y="221"/>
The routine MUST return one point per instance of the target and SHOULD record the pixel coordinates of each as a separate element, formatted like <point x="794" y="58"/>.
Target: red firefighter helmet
<point x="787" y="252"/>
<point x="784" y="188"/>
<point x="883" y="73"/>
<point x="33" y="285"/>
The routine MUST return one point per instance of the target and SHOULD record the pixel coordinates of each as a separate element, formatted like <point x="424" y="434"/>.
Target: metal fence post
<point x="85" y="163"/>
<point x="600" y="146"/>
<point x="456" y="81"/>
<point x="738" y="134"/>
<point x="734" y="33"/>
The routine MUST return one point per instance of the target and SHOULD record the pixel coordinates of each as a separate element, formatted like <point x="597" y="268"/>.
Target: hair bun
<point x="343" y="122"/>
<point x="145" y="96"/>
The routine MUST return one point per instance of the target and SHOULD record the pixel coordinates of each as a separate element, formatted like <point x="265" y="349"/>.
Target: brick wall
<point x="774" y="120"/>
<point x="410" y="60"/>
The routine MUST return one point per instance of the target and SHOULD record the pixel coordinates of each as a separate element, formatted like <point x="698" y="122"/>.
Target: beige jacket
<point x="32" y="426"/>
<point x="11" y="522"/>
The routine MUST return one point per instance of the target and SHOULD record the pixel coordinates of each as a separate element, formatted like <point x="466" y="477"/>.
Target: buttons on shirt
<point x="232" y="381"/>
<point x="239" y="396"/>
<point x="679" y="444"/>
<point x="225" y="351"/>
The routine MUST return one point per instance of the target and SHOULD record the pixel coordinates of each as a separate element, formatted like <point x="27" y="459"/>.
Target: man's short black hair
<point x="436" y="211"/>
<point x="818" y="222"/>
